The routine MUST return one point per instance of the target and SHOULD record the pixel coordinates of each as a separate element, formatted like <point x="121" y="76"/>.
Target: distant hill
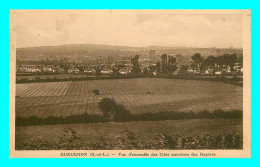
<point x="96" y="50"/>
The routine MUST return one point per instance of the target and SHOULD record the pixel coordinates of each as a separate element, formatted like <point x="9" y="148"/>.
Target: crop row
<point x="72" y="105"/>
<point x="137" y="95"/>
<point x="42" y="89"/>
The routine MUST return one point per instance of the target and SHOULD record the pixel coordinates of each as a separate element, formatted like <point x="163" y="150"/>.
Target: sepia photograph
<point x="130" y="83"/>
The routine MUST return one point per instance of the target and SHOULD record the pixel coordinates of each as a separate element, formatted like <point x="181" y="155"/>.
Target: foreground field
<point x="213" y="132"/>
<point x="137" y="95"/>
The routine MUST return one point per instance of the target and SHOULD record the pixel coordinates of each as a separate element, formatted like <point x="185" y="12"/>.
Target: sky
<point x="139" y="28"/>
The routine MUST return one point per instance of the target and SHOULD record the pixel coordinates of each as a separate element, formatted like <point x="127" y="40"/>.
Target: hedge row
<point x="159" y="116"/>
<point x="234" y="80"/>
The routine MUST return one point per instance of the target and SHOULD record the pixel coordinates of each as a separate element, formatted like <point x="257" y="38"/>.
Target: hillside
<point x="94" y="50"/>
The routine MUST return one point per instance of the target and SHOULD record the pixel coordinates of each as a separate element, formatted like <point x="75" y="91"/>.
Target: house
<point x="218" y="72"/>
<point x="237" y="67"/>
<point x="176" y="72"/>
<point x="73" y="70"/>
<point x="28" y="68"/>
<point x="48" y="68"/>
<point x="226" y="69"/>
<point x="190" y="70"/>
<point x="195" y="71"/>
<point x="155" y="73"/>
<point x="209" y="71"/>
<point x="58" y="69"/>
<point x="89" y="71"/>
<point x="106" y="71"/>
<point x="124" y="71"/>
<point x="239" y="70"/>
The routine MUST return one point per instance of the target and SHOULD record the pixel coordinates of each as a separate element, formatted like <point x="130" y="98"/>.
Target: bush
<point x="121" y="114"/>
<point x="107" y="105"/>
<point x="96" y="92"/>
<point x="113" y="111"/>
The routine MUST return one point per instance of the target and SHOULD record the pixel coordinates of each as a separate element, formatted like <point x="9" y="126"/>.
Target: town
<point x="153" y="65"/>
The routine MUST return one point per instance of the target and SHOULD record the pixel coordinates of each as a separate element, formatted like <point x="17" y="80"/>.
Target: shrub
<point x="113" y="111"/>
<point x="107" y="106"/>
<point x="121" y="114"/>
<point x="96" y="92"/>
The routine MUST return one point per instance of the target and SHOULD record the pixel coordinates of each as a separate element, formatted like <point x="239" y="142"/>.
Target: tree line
<point x="169" y="64"/>
<point x="216" y="62"/>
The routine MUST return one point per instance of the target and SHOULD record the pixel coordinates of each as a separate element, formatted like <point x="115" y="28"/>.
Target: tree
<point x="136" y="68"/>
<point x="96" y="92"/>
<point x="115" y="70"/>
<point x="172" y="68"/>
<point x="172" y="60"/>
<point x="184" y="68"/>
<point x="121" y="114"/>
<point x="240" y="59"/>
<point x="152" y="68"/>
<point x="65" y="67"/>
<point x="164" y="63"/>
<point x="209" y="62"/>
<point x="168" y="64"/>
<point x="231" y="60"/>
<point x="81" y="69"/>
<point x="197" y="60"/>
<point x="220" y="61"/>
<point x="146" y="71"/>
<point x="171" y="65"/>
<point x="98" y="70"/>
<point x="113" y="111"/>
<point x="158" y="67"/>
<point x="107" y="106"/>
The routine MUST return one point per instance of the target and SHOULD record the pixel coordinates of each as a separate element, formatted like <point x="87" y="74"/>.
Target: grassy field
<point x="138" y="95"/>
<point x="98" y="133"/>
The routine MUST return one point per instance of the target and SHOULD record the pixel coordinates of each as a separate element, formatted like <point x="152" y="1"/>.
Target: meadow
<point x="139" y="95"/>
<point x="171" y="134"/>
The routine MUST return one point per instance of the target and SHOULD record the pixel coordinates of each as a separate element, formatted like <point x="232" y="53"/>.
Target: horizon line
<point x="131" y="46"/>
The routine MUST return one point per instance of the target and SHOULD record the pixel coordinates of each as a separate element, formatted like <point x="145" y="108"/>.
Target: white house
<point x="124" y="71"/>
<point x="29" y="68"/>
<point x="48" y="68"/>
<point x="73" y="70"/>
<point x="106" y="71"/>
<point x="89" y="71"/>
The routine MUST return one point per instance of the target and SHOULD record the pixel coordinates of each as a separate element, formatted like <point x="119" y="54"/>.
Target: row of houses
<point x="106" y="70"/>
<point x="39" y="68"/>
<point x="73" y="70"/>
<point x="217" y="70"/>
<point x="225" y="69"/>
